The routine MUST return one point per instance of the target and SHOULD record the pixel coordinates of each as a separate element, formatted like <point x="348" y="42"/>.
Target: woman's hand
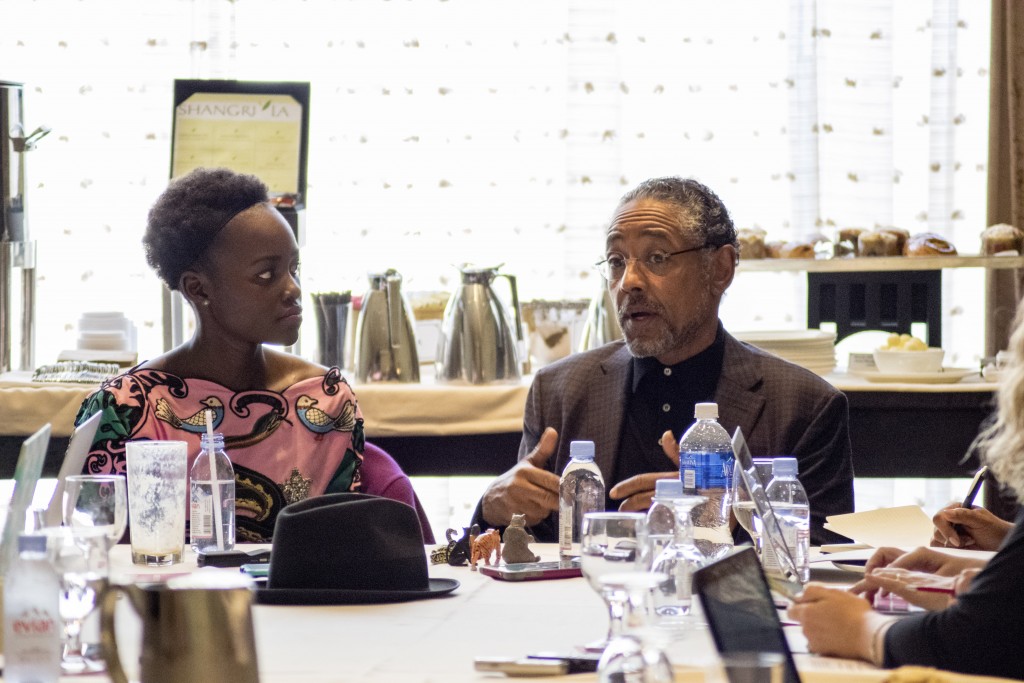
<point x="905" y="583"/>
<point x="976" y="528"/>
<point x="835" y="622"/>
<point x="922" y="560"/>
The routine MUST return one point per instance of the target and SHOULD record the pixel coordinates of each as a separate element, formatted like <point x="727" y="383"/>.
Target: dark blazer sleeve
<point x="980" y="633"/>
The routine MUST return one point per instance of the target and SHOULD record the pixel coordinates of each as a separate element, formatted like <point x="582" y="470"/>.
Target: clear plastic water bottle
<point x="793" y="511"/>
<point x="33" y="629"/>
<point x="580" y="491"/>
<point x="709" y="446"/>
<point x="202" y="518"/>
<point x="661" y="516"/>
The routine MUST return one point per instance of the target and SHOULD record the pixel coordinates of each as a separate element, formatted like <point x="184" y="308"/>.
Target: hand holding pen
<point x="964" y="526"/>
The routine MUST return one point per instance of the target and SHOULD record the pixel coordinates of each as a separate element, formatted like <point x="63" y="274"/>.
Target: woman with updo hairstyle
<point x="292" y="428"/>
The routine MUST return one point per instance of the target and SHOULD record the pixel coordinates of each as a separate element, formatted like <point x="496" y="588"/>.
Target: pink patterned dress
<point x="285" y="446"/>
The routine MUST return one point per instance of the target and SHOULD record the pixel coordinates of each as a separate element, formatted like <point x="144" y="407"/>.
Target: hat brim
<point x="337" y="596"/>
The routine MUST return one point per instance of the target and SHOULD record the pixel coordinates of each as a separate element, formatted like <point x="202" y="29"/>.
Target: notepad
<point x="904" y="526"/>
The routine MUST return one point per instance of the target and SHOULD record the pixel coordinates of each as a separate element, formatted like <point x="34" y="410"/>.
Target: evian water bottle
<point x="33" y="629"/>
<point x="580" y="491"/>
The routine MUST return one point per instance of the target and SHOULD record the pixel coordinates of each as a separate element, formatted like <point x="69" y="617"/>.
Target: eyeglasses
<point x="656" y="263"/>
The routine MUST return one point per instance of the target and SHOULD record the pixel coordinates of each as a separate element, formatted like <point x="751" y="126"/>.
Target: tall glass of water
<point x="157" y="494"/>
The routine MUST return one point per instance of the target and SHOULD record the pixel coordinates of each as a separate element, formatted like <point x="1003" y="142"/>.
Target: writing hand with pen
<point x="923" y="577"/>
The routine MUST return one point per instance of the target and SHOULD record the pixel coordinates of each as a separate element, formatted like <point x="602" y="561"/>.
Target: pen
<point x="932" y="589"/>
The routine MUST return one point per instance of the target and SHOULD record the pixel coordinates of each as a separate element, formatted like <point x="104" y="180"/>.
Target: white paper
<point x="902" y="527"/>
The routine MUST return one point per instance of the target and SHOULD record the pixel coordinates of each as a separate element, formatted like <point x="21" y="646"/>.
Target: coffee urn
<point x="17" y="250"/>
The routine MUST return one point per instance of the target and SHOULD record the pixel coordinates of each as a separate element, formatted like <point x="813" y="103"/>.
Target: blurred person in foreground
<point x="292" y="429"/>
<point x="975" y="630"/>
<point x="670" y="254"/>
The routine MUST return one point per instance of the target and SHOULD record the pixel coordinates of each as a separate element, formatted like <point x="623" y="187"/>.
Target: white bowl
<point x="928" y="360"/>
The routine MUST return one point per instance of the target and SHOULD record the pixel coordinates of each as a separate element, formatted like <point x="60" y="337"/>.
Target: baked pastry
<point x="928" y="244"/>
<point x="797" y="250"/>
<point x="751" y="243"/>
<point x="1002" y="238"/>
<point x="773" y="249"/>
<point x="847" y="240"/>
<point x="901" y="237"/>
<point x="877" y="243"/>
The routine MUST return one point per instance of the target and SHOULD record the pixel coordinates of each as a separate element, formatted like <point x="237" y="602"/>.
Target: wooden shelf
<point x="880" y="263"/>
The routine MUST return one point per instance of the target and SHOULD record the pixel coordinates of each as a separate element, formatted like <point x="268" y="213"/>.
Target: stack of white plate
<point x="813" y="349"/>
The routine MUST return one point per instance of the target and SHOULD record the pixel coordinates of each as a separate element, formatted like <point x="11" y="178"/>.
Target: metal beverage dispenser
<point x="17" y="250"/>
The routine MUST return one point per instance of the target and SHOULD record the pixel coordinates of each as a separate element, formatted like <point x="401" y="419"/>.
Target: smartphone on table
<point x="534" y="571"/>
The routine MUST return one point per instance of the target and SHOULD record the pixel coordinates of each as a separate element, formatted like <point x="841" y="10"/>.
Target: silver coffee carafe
<point x="602" y="324"/>
<point x="477" y="343"/>
<point x="385" y="342"/>
<point x="17" y="250"/>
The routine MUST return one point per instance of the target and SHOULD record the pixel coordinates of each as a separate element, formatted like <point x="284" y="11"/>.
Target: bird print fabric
<point x="310" y="433"/>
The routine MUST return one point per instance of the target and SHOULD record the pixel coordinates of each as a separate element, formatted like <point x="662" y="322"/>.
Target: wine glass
<point x="78" y="555"/>
<point x="612" y="543"/>
<point x="674" y="606"/>
<point x="634" y="655"/>
<point x="97" y="501"/>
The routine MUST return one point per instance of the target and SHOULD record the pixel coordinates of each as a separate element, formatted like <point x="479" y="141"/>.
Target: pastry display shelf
<point x="886" y="293"/>
<point x="880" y="263"/>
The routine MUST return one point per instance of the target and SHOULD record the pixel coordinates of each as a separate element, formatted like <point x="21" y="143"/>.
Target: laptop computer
<point x="739" y="609"/>
<point x="26" y="475"/>
<point x="74" y="460"/>
<point x="770" y="529"/>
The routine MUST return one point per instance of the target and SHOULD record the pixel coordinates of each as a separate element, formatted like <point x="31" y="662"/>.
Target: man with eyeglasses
<point x="670" y="254"/>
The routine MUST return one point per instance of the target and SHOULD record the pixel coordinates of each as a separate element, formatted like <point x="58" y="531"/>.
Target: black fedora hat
<point x="348" y="549"/>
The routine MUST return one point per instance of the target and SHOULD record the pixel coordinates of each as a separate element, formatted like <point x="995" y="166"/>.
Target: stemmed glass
<point x="674" y="606"/>
<point x="612" y="543"/>
<point x="79" y="558"/>
<point x="97" y="501"/>
<point x="100" y="502"/>
<point x="634" y="655"/>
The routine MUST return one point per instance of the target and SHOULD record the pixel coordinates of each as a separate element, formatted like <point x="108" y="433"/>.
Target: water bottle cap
<point x="706" y="411"/>
<point x="784" y="467"/>
<point x="581" y="450"/>
<point x="668" y="488"/>
<point x="34" y="543"/>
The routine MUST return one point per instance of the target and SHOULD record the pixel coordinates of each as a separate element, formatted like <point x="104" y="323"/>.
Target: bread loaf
<point x="751" y="243"/>
<point x="797" y="250"/>
<point x="1002" y="238"/>
<point x="901" y="236"/>
<point x="928" y="244"/>
<point x="877" y="243"/>
<point x="773" y="249"/>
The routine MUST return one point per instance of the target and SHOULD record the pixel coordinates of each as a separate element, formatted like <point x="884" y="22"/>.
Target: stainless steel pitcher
<point x="385" y="341"/>
<point x="602" y="324"/>
<point x="188" y="634"/>
<point x="477" y="343"/>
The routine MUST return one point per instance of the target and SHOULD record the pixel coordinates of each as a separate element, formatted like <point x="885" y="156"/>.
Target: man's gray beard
<point x="670" y="340"/>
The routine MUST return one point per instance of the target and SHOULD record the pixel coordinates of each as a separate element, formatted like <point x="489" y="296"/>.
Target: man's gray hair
<point x="699" y="208"/>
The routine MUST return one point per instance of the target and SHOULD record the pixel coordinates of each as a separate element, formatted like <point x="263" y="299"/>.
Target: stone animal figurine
<point x="517" y="542"/>
<point x="460" y="552"/>
<point x="485" y="546"/>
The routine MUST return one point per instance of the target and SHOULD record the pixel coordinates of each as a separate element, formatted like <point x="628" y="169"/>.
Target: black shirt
<point x="663" y="398"/>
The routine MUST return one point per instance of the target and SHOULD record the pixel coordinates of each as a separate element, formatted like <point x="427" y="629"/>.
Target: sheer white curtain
<point x="492" y="131"/>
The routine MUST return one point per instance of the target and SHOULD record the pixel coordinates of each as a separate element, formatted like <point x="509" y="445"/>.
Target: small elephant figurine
<point x="517" y="542"/>
<point x="486" y="545"/>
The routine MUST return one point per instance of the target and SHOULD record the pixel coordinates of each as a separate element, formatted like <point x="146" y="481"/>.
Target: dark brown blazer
<point x="783" y="409"/>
